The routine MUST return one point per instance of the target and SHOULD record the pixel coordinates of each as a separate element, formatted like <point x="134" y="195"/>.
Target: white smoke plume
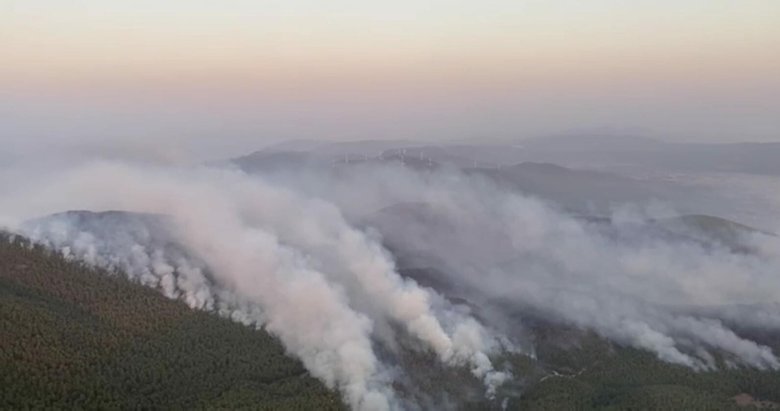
<point x="631" y="287"/>
<point x="314" y="256"/>
<point x="278" y="259"/>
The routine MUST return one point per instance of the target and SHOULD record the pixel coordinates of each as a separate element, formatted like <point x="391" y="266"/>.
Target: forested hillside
<point x="74" y="337"/>
<point x="586" y="372"/>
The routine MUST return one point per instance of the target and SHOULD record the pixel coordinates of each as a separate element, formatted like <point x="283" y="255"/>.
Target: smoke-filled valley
<point x="446" y="277"/>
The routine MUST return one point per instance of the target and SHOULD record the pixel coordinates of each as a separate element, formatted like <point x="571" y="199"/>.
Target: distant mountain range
<point x="577" y="190"/>
<point x="591" y="150"/>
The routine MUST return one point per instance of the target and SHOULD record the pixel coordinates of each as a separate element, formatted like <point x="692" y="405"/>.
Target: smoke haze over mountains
<point x="410" y="204"/>
<point x="352" y="259"/>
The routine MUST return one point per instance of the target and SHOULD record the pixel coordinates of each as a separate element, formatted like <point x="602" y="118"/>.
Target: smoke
<point x="331" y="260"/>
<point x="268" y="256"/>
<point x="632" y="281"/>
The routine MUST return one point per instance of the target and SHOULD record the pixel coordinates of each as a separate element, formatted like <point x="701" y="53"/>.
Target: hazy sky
<point x="235" y="74"/>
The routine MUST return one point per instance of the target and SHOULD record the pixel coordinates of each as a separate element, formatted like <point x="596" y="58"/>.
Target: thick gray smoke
<point x="317" y="256"/>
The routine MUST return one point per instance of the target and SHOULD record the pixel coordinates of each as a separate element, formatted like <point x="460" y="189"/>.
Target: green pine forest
<point x="77" y="338"/>
<point x="73" y="337"/>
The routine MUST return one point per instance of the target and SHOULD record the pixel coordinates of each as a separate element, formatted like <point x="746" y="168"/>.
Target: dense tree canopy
<point x="74" y="337"/>
<point x="78" y="337"/>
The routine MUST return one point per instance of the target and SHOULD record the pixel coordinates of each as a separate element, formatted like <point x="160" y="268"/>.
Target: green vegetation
<point x="596" y="374"/>
<point x="77" y="338"/>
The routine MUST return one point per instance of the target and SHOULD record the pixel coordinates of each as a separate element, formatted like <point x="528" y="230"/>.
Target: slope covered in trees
<point x="77" y="337"/>
<point x="586" y="372"/>
<point x="74" y="337"/>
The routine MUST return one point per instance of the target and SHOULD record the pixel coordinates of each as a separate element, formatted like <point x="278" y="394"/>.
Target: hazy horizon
<point x="530" y="212"/>
<point x="186" y="73"/>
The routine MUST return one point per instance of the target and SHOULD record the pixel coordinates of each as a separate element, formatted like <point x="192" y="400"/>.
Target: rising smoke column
<point x="295" y="302"/>
<point x="359" y="263"/>
<point x="487" y="242"/>
<point x="279" y="260"/>
<point x="499" y="244"/>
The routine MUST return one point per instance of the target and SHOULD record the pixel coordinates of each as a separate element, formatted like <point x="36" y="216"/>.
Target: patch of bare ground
<point x="746" y="400"/>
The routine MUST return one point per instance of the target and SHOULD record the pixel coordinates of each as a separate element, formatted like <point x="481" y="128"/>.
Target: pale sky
<point x="195" y="70"/>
